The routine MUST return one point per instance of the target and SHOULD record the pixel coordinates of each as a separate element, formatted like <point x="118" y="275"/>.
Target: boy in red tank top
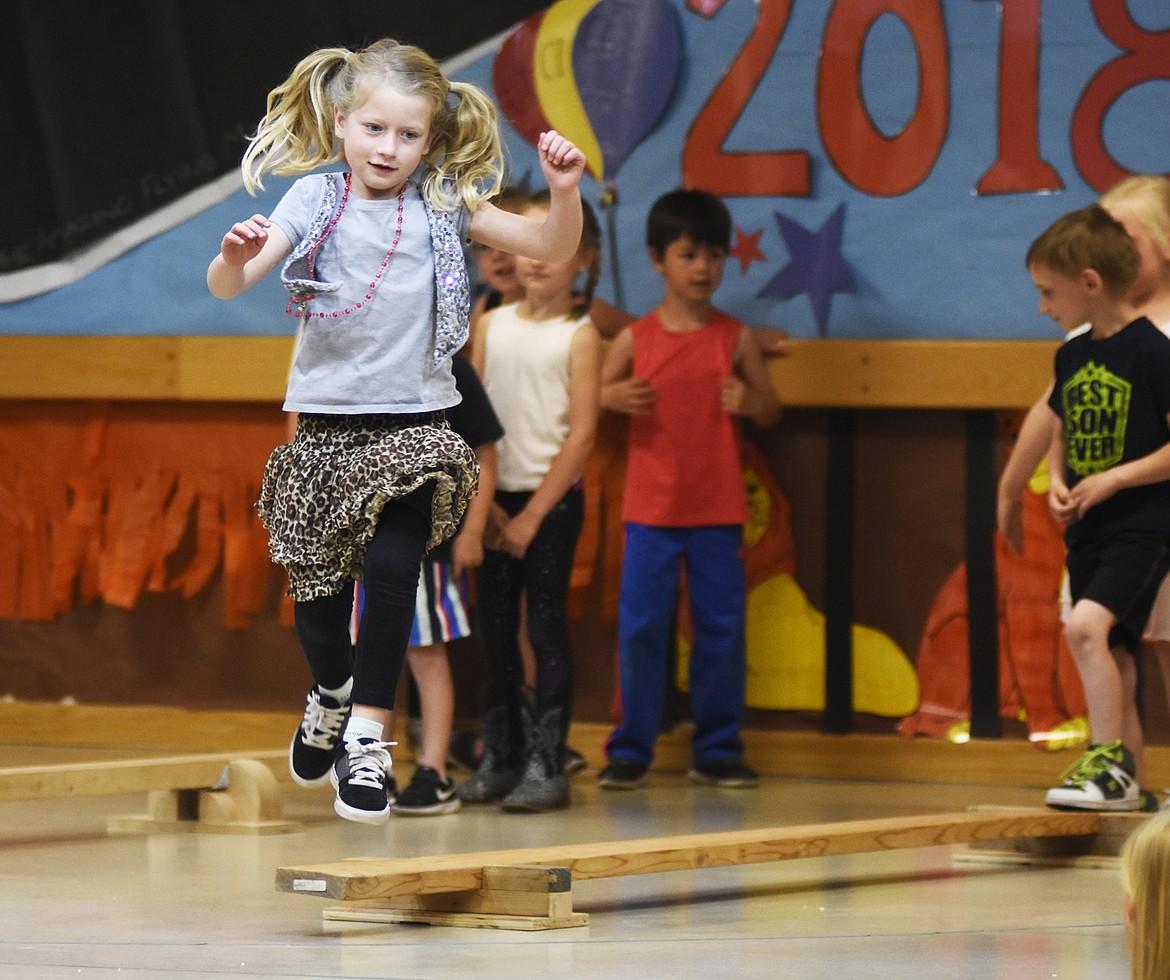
<point x="685" y="374"/>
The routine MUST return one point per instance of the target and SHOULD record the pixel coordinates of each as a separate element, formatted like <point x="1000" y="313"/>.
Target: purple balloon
<point x="626" y="60"/>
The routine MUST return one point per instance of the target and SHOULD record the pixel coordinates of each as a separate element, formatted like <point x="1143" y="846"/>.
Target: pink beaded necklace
<point x="377" y="275"/>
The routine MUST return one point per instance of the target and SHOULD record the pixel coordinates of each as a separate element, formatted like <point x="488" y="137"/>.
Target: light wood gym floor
<point x="78" y="902"/>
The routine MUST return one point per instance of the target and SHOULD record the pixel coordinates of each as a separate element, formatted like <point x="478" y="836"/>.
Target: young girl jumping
<point x="540" y="361"/>
<point x="373" y="261"/>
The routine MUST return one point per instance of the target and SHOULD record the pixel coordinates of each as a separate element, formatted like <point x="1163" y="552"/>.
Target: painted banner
<point x="886" y="162"/>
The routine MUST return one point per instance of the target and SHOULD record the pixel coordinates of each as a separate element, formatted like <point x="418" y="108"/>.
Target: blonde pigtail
<point x="296" y="134"/>
<point x="468" y="157"/>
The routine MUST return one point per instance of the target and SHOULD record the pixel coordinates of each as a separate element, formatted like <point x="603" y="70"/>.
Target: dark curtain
<point x="113" y="109"/>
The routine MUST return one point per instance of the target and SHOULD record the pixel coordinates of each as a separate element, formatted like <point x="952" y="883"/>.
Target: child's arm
<point x="558" y="236"/>
<point x="248" y="252"/>
<point x="749" y="390"/>
<point x="467" y="548"/>
<point x="772" y="341"/>
<point x="1032" y="444"/>
<point x="1060" y="503"/>
<point x="566" y="467"/>
<point x="620" y="391"/>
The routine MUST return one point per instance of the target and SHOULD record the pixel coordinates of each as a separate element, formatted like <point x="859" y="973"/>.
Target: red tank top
<point x="684" y="467"/>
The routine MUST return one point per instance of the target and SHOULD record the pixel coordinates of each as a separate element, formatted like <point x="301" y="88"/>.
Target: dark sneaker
<point x="1101" y="779"/>
<point x="428" y="795"/>
<point x="623" y="774"/>
<point x="1148" y="802"/>
<point x="729" y="773"/>
<point x="574" y="761"/>
<point x="361" y="775"/>
<point x="314" y="746"/>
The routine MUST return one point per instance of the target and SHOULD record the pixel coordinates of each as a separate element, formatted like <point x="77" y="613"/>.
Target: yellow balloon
<point x="556" y="88"/>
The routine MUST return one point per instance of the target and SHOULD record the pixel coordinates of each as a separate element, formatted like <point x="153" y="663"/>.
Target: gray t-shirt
<point x="377" y="359"/>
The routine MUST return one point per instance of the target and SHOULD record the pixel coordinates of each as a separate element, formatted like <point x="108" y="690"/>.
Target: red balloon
<point x="515" y="81"/>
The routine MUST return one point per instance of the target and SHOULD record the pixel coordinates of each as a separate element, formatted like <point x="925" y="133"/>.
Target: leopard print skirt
<point x="323" y="492"/>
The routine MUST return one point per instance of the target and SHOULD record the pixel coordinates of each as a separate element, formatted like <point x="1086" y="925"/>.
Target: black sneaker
<point x="314" y="746"/>
<point x="1149" y="802"/>
<point x="623" y="774"/>
<point x="428" y="795"/>
<point x="362" y="777"/>
<point x="1101" y="779"/>
<point x="729" y="773"/>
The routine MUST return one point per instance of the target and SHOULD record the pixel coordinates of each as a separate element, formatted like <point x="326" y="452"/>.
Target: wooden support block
<point x="1100" y="849"/>
<point x="244" y="800"/>
<point x="522" y="898"/>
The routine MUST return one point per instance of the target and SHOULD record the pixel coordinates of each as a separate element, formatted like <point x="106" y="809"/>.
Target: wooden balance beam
<point x="210" y="792"/>
<point x="529" y="888"/>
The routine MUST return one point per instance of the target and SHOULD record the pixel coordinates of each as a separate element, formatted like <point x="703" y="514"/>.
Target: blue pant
<point x="649" y="593"/>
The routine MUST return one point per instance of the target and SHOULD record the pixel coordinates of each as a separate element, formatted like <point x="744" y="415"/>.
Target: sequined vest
<point x="452" y="288"/>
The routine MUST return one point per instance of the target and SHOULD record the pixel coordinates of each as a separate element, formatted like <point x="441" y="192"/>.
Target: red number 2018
<point x="885" y="166"/>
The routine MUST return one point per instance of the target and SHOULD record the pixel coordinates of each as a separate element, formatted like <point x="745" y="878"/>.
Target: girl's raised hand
<point x="560" y="161"/>
<point x="244" y="240"/>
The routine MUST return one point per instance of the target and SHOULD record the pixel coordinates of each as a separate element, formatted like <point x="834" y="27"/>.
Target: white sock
<point x="339" y="694"/>
<point x="363" y="728"/>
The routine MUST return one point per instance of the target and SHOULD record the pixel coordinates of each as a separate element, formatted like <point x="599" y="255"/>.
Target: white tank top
<point x="526" y="375"/>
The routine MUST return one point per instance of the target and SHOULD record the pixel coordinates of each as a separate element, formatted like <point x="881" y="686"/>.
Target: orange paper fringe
<point x="106" y="501"/>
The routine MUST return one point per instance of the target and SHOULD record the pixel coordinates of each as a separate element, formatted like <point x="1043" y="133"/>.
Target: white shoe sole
<point x="453" y="805"/>
<point x="374" y="817"/>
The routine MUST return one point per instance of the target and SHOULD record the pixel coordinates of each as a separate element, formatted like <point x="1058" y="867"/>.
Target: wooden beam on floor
<point x="387" y="886"/>
<point x="109" y="778"/>
<point x="209" y="792"/>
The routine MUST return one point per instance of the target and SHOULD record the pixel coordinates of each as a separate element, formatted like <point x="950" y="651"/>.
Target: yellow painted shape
<point x="759" y="507"/>
<point x="556" y="88"/>
<point x="1038" y="482"/>
<point x="786" y="657"/>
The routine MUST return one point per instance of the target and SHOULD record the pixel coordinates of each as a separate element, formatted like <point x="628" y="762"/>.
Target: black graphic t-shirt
<point x="1112" y="397"/>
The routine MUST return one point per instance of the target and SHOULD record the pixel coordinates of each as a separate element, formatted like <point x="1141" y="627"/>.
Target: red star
<point x="747" y="248"/>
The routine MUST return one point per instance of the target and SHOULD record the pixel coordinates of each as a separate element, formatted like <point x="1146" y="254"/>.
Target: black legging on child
<point x="390" y="579"/>
<point x="543" y="575"/>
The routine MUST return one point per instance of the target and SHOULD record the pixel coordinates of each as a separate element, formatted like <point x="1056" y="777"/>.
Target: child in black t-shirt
<point x="1108" y="468"/>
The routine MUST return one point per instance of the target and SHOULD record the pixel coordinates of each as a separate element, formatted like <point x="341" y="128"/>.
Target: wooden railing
<point x="939" y="374"/>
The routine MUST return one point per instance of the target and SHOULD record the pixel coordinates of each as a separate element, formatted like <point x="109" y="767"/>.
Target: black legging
<point x="543" y="575"/>
<point x="390" y="577"/>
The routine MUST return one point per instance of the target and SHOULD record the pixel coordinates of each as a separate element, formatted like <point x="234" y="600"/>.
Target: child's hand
<point x="1060" y="504"/>
<point x="1093" y="490"/>
<point x="560" y="161"/>
<point x="466" y="551"/>
<point x="493" y="534"/>
<point x="733" y="396"/>
<point x="245" y="240"/>
<point x="633" y="396"/>
<point x="518" y="534"/>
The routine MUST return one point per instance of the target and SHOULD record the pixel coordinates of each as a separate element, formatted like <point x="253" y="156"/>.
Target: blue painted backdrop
<point x="877" y="245"/>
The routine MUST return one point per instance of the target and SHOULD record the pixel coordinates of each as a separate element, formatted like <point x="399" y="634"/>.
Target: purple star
<point x="815" y="268"/>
